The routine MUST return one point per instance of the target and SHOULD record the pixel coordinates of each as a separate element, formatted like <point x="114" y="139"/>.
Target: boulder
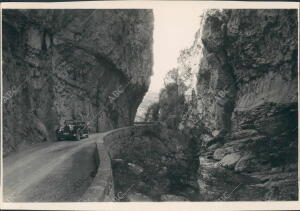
<point x="158" y="188"/>
<point x="206" y="138"/>
<point x="136" y="169"/>
<point x="163" y="171"/>
<point x="230" y="160"/>
<point x="221" y="152"/>
<point x="244" y="164"/>
<point x="213" y="147"/>
<point x="215" y="133"/>
<point x="142" y="187"/>
<point x="244" y="134"/>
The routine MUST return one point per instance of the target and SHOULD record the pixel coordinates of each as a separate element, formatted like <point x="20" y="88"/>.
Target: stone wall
<point x="102" y="188"/>
<point x="109" y="145"/>
<point x="116" y="140"/>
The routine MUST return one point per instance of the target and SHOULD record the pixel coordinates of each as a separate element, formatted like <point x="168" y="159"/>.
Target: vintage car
<point x="72" y="129"/>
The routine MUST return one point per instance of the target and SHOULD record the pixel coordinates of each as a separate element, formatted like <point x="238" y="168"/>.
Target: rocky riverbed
<point x="156" y="168"/>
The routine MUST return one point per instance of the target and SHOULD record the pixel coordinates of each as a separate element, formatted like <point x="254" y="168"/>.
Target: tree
<point x="171" y="77"/>
<point x="152" y="113"/>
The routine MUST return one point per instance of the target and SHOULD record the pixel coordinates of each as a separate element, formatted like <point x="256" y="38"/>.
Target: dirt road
<point x="59" y="171"/>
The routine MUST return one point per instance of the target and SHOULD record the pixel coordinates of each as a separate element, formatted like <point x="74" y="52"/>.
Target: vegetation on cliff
<point x="245" y="65"/>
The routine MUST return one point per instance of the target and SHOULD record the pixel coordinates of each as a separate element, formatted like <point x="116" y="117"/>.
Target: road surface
<point x="58" y="171"/>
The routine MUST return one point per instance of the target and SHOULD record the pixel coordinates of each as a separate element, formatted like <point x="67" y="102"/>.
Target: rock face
<point x="148" y="100"/>
<point x="92" y="65"/>
<point x="240" y="107"/>
<point x="155" y="166"/>
<point x="247" y="89"/>
<point x="169" y="108"/>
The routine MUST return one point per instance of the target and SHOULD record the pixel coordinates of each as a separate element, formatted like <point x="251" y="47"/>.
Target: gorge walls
<point x="239" y="83"/>
<point x="91" y="65"/>
<point x="151" y="163"/>
<point x="247" y="100"/>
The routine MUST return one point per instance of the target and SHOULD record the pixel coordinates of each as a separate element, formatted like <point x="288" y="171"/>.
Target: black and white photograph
<point x="150" y="105"/>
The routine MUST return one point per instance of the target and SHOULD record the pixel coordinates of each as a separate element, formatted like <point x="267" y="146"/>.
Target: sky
<point x="174" y="30"/>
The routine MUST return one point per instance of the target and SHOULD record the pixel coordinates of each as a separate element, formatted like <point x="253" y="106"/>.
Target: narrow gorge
<point x="224" y="127"/>
<point x="234" y="94"/>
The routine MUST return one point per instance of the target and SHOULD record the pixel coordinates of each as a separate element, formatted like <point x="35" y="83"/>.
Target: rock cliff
<point x="148" y="99"/>
<point x="239" y="80"/>
<point x="155" y="165"/>
<point x="92" y="65"/>
<point x="247" y="89"/>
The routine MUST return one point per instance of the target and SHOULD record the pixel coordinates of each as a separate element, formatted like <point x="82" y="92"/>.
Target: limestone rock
<point x="73" y="64"/>
<point x="206" y="138"/>
<point x="216" y="133"/>
<point x="221" y="152"/>
<point x="244" y="134"/>
<point x="230" y="160"/>
<point x="213" y="147"/>
<point x="244" y="164"/>
<point x="136" y="169"/>
<point x="246" y="86"/>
